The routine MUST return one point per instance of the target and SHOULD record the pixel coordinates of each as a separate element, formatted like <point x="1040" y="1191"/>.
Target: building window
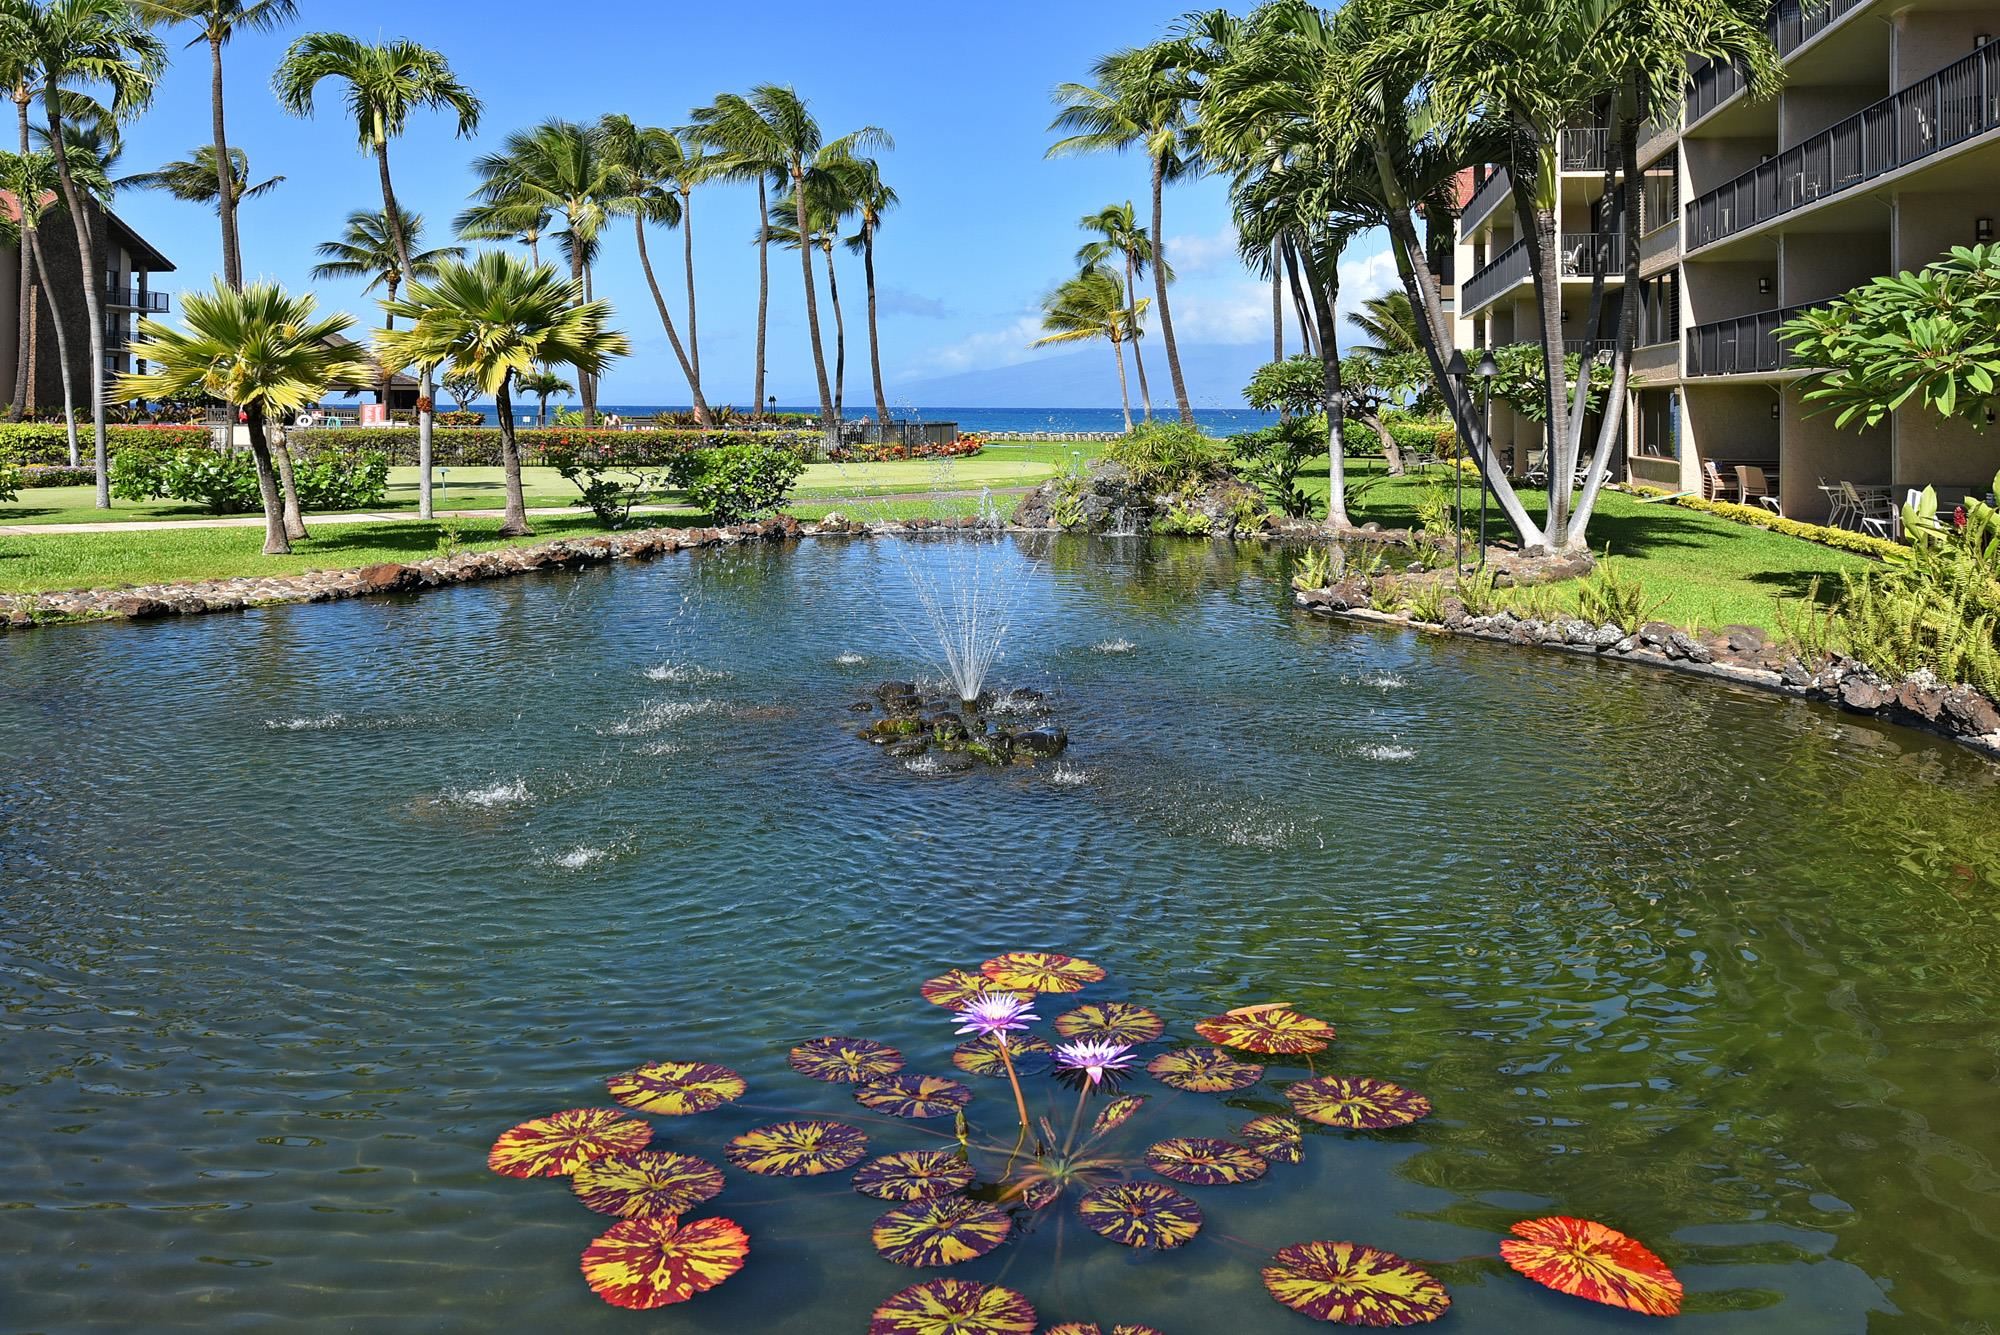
<point x="1660" y="309"/>
<point x="1660" y="194"/>
<point x="1659" y="423"/>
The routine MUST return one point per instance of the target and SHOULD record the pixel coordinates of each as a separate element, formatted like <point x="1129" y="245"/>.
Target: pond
<point x="304" y="907"/>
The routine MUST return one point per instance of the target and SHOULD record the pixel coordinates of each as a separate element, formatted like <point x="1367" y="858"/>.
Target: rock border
<point x="1740" y="655"/>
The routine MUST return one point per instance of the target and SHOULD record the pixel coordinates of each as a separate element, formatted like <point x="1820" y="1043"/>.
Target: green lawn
<point x="1709" y="571"/>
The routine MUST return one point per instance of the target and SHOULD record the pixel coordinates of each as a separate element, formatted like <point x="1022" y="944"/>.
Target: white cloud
<point x="1005" y="346"/>
<point x="1197" y="254"/>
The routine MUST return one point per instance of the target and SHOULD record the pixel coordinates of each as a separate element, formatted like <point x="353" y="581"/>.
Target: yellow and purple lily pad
<point x="647" y="1183"/>
<point x="1278" y="1138"/>
<point x="1141" y="1214"/>
<point x="1118" y="1112"/>
<point x="1041" y="971"/>
<point x="942" y="1231"/>
<point x="563" y="1142"/>
<point x="950" y="1306"/>
<point x="1273" y="1029"/>
<point x="658" y="1261"/>
<point x="913" y="1096"/>
<point x="981" y="1056"/>
<point x="1204" y="1071"/>
<point x="913" y="1175"/>
<point x="1354" y="1285"/>
<point x="676" y="1089"/>
<point x="955" y="987"/>
<point x="1356" y="1103"/>
<point x="1113" y="1021"/>
<point x="1202" y="1161"/>
<point x="845" y="1060"/>
<point x="798" y="1149"/>
<point x="1092" y="1328"/>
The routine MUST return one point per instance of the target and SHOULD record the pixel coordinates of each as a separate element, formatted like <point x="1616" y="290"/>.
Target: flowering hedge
<point x="962" y="448"/>
<point x="1847" y="540"/>
<point x="479" y="447"/>
<point x="48" y="442"/>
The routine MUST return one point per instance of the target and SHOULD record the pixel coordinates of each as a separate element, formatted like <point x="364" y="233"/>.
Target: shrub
<point x="54" y="475"/>
<point x="330" y="480"/>
<point x="1315" y="569"/>
<point x="10" y="480"/>
<point x="1183" y="522"/>
<point x="1427" y="603"/>
<point x="962" y="448"/>
<point x="458" y="417"/>
<point x="226" y="483"/>
<point x="590" y="466"/>
<point x="1274" y="456"/>
<point x="738" y="482"/>
<point x="48" y="442"/>
<point x="1165" y="456"/>
<point x="479" y="447"/>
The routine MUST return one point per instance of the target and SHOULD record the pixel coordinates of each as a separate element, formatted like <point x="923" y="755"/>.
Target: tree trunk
<point x="874" y="340"/>
<point x="763" y="291"/>
<point x="295" y="519"/>
<point x="586" y="383"/>
<point x="425" y="402"/>
<point x="23" y="366"/>
<point x="839" y="340"/>
<point x="694" y="332"/>
<point x="1391" y="451"/>
<point x="829" y="427"/>
<point x="1160" y="291"/>
<point x="1333" y="394"/>
<point x="275" y="541"/>
<point x="33" y="237"/>
<point x="225" y="200"/>
<point x="1300" y="306"/>
<point x="1124" y="394"/>
<point x="542" y="413"/>
<point x="1138" y="362"/>
<point x="1612" y="423"/>
<point x="515" y="523"/>
<point x="93" y="286"/>
<point x="667" y="320"/>
<point x="1277" y="302"/>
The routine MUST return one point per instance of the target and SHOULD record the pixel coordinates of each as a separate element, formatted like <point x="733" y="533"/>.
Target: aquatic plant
<point x="1586" y="1259"/>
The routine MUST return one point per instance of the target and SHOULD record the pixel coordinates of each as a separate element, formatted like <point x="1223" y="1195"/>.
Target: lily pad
<point x="1357" y="1103"/>
<point x="1273" y="1029"/>
<point x="798" y="1149"/>
<point x="1279" y="1139"/>
<point x="1354" y="1285"/>
<point x="1118" y="1112"/>
<point x="1204" y="1071"/>
<point x="1092" y="1328"/>
<point x="913" y="1175"/>
<point x="981" y="1056"/>
<point x="950" y="1306"/>
<point x="645" y="1184"/>
<point x="1113" y="1021"/>
<point x="1141" y="1214"/>
<point x="848" y="1060"/>
<point x="676" y="1089"/>
<point x="658" y="1261"/>
<point x="944" y="1231"/>
<point x="1041" y="971"/>
<point x="1586" y="1259"/>
<point x="1201" y="1161"/>
<point x="958" y="986"/>
<point x="913" y="1096"/>
<point x="564" y="1142"/>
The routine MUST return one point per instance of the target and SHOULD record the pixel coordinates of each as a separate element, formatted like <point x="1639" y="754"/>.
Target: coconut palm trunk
<point x="1138" y="362"/>
<point x="1333" y="393"/>
<point x="839" y="341"/>
<point x="1160" y="291"/>
<point x="1277" y="303"/>
<point x="1124" y="394"/>
<point x="694" y="330"/>
<point x="33" y="241"/>
<point x="514" y="524"/>
<point x="225" y="199"/>
<point x="276" y="543"/>
<point x="394" y="214"/>
<point x="23" y="365"/>
<point x="294" y="515"/>
<point x="763" y="290"/>
<point x="1540" y="229"/>
<point x="667" y="319"/>
<point x="93" y="302"/>
<point x="874" y="339"/>
<point x="829" y="427"/>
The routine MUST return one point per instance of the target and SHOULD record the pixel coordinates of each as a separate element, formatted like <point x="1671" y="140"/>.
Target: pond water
<point x="303" y="907"/>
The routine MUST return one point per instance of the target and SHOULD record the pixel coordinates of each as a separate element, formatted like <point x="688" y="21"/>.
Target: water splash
<point x="850" y="659"/>
<point x="505" y="793"/>
<point x="967" y="598"/>
<point x="576" y="859"/>
<point x="658" y="716"/>
<point x="1383" y="681"/>
<point x="322" y="723"/>
<point x="1066" y="775"/>
<point x="685" y="674"/>
<point x="1120" y="645"/>
<point x="1386" y="751"/>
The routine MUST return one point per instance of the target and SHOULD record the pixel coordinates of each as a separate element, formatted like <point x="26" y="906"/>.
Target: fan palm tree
<point x="383" y="83"/>
<point x="215" y="22"/>
<point x="31" y="179"/>
<point x="1093" y="305"/>
<point x="495" y="320"/>
<point x="544" y="384"/>
<point x="1121" y="237"/>
<point x="195" y="180"/>
<point x="1140" y="98"/>
<point x="645" y="164"/>
<point x="261" y="348"/>
<point x="97" y="44"/>
<point x="872" y="199"/>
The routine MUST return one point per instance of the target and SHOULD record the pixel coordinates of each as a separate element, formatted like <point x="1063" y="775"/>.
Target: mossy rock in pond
<point x="893" y="729"/>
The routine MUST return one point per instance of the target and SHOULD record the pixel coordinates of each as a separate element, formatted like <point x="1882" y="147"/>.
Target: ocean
<point x="985" y="421"/>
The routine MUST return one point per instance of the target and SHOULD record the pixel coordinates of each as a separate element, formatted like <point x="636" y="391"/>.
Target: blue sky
<point x="986" y="223"/>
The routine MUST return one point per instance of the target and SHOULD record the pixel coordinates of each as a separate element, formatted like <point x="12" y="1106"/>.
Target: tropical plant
<point x="496" y="319"/>
<point x="1274" y="456"/>
<point x="261" y="348"/>
<point x="367" y="249"/>
<point x="196" y="180"/>
<point x="737" y="482"/>
<point x="1093" y="305"/>
<point x="383" y="83"/>
<point x="1611" y="596"/>
<point x="833" y="187"/>
<point x="1122" y="239"/>
<point x="871" y="199"/>
<point x="1390" y="324"/>
<point x="1166" y="456"/>
<point x="73" y="45"/>
<point x="652" y="177"/>
<point x="544" y="384"/>
<point x="735" y="127"/>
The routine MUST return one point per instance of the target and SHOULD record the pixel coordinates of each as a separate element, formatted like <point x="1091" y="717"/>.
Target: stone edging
<point x="1740" y="656"/>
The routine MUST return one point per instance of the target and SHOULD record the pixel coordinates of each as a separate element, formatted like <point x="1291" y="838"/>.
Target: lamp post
<point x="1457" y="371"/>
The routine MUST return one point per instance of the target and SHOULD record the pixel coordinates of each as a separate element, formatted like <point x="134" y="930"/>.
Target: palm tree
<point x="1390" y="322"/>
<point x="31" y="179"/>
<point x="691" y="169"/>
<point x="505" y="222"/>
<point x="195" y="180"/>
<point x="216" y="21"/>
<point x="96" y="43"/>
<point x="773" y="124"/>
<point x="744" y="151"/>
<point x="646" y="163"/>
<point x="367" y="249"/>
<point x="1093" y="305"/>
<point x="384" y="83"/>
<point x="872" y="199"/>
<point x="543" y="383"/>
<point x="261" y="348"/>
<point x="1140" y="97"/>
<point x="496" y="319"/>
<point x="1121" y="237"/>
<point x="829" y="201"/>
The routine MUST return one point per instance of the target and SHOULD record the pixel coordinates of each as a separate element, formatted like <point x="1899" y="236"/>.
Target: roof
<point x="144" y="254"/>
<point x="396" y="381"/>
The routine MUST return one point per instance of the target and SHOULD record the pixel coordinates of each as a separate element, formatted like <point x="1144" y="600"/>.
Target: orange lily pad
<point x="1586" y="1259"/>
<point x="1275" y="1029"/>
<point x="1041" y="971"/>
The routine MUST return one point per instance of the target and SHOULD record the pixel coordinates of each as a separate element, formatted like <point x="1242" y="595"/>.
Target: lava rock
<point x="1042" y="741"/>
<point x="906" y="748"/>
<point x="1969" y="712"/>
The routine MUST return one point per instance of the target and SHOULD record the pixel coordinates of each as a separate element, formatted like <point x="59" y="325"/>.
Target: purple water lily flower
<point x="994" y="1015"/>
<point x="1093" y="1059"/>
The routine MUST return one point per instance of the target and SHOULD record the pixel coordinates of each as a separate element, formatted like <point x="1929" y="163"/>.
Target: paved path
<point x="396" y="516"/>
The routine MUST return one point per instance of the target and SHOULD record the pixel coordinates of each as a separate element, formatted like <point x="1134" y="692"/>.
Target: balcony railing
<point x="1490" y="195"/>
<point x="1955" y="104"/>
<point x="1792" y="25"/>
<point x="1501" y="272"/>
<point x="1583" y="150"/>
<point x="133" y="299"/>
<point x="1584" y="254"/>
<point x="1743" y="346"/>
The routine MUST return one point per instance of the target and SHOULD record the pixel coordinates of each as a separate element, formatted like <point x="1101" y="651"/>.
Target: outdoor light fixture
<point x="1774" y="410"/>
<point x="1763" y="284"/>
<point x="1982" y="230"/>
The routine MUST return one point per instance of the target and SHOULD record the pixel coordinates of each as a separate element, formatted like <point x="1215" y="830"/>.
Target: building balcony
<point x="1793" y="24"/>
<point x="1747" y="345"/>
<point x="1958" y="103"/>
<point x="1583" y="255"/>
<point x="1583" y="149"/>
<point x="134" y="299"/>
